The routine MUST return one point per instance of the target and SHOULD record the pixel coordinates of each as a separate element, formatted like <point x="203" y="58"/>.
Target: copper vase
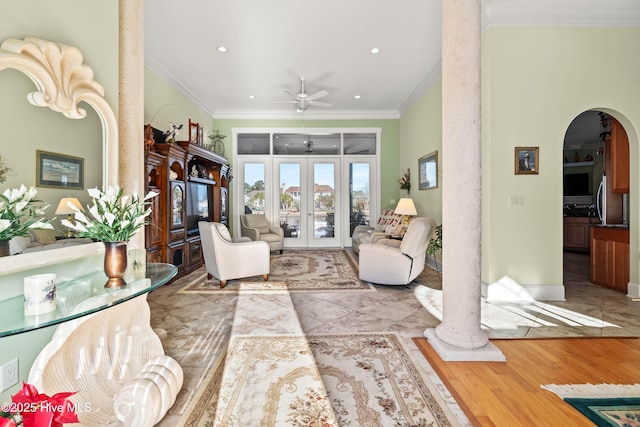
<point x="4" y="248"/>
<point x="115" y="264"/>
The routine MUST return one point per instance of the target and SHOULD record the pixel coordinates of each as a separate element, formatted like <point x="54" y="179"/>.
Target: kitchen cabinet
<point x="619" y="155"/>
<point x="610" y="257"/>
<point x="577" y="236"/>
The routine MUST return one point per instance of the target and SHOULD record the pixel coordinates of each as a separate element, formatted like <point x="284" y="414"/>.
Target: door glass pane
<point x="323" y="200"/>
<point x="359" y="143"/>
<point x="359" y="195"/>
<point x="253" y="143"/>
<point x="306" y="145"/>
<point x="290" y="200"/>
<point x="254" y="188"/>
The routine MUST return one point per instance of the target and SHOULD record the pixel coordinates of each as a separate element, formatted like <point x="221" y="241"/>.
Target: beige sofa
<point x="394" y="262"/>
<point x="386" y="224"/>
<point x="39" y="240"/>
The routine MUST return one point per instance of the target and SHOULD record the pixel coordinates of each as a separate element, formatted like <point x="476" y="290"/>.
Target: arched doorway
<point x="596" y="201"/>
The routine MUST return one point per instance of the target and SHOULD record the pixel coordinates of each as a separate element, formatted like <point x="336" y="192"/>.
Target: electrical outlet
<point x="8" y="374"/>
<point x="392" y="202"/>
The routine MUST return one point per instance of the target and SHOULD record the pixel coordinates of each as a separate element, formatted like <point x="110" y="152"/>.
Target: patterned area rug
<point x="604" y="404"/>
<point x="295" y="271"/>
<point x="366" y="380"/>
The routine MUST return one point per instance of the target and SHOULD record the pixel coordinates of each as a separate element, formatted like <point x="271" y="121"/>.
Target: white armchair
<point x="391" y="262"/>
<point x="256" y="227"/>
<point x="225" y="259"/>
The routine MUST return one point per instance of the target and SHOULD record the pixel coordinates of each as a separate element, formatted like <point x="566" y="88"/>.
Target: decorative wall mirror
<point x="62" y="81"/>
<point x="428" y="171"/>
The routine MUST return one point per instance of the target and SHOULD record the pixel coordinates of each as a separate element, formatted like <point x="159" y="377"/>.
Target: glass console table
<point x="79" y="297"/>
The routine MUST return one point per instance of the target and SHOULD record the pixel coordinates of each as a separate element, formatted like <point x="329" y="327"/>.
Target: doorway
<point x="596" y="201"/>
<point x="308" y="200"/>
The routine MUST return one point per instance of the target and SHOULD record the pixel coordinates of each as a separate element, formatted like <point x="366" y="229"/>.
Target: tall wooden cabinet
<point x="187" y="178"/>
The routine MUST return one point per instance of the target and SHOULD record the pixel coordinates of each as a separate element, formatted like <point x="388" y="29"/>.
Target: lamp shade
<point x="65" y="209"/>
<point x="406" y="207"/>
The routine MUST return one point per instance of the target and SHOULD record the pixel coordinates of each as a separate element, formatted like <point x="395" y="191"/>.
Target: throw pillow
<point x="18" y="244"/>
<point x="44" y="237"/>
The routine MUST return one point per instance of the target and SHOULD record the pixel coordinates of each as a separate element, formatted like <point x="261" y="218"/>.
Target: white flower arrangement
<point x="114" y="217"/>
<point x="18" y="211"/>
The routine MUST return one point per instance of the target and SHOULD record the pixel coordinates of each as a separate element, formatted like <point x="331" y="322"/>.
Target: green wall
<point x="535" y="81"/>
<point x="421" y="134"/>
<point x="164" y="104"/>
<point x="93" y="28"/>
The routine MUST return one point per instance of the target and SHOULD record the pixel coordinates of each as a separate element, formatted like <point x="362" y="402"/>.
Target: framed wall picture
<point x="526" y="160"/>
<point x="428" y="171"/>
<point x="59" y="170"/>
<point x="194" y="133"/>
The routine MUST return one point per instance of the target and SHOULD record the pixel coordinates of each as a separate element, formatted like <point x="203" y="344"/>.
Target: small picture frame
<point x="194" y="132"/>
<point x="526" y="161"/>
<point x="428" y="171"/>
<point x="59" y="170"/>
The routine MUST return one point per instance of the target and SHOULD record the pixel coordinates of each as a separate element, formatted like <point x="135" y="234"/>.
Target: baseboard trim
<point x="538" y="292"/>
<point x="633" y="290"/>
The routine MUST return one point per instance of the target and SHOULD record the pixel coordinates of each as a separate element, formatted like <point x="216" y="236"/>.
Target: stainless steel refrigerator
<point x="611" y="206"/>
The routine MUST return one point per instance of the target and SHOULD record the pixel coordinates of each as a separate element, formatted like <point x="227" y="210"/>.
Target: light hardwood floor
<point x="509" y="393"/>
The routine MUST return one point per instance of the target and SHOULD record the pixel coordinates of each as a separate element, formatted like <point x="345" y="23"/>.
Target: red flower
<point x="41" y="410"/>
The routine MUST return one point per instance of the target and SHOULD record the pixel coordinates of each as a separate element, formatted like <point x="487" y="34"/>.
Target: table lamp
<point x="65" y="209"/>
<point x="407" y="208"/>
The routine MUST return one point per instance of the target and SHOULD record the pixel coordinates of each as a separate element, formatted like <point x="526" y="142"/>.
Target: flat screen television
<point x="577" y="184"/>
<point x="199" y="205"/>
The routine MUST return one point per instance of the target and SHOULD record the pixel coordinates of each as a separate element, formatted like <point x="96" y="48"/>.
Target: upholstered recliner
<point x="368" y="234"/>
<point x="393" y="262"/>
<point x="256" y="227"/>
<point x="225" y="259"/>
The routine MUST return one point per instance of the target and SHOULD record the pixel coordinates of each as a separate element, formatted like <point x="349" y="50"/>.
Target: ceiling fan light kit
<point x="303" y="100"/>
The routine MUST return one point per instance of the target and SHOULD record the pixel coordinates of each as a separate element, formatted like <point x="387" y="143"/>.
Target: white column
<point x="131" y="102"/>
<point x="459" y="336"/>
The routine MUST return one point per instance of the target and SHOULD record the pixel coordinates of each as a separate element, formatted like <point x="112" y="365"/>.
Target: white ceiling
<point x="273" y="43"/>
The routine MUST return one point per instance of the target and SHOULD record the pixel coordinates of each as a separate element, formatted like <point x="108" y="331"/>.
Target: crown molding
<point x="174" y="82"/>
<point x="584" y="13"/>
<point x="307" y="115"/>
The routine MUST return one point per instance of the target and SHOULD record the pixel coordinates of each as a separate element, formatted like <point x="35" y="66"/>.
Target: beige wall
<point x="535" y="81"/>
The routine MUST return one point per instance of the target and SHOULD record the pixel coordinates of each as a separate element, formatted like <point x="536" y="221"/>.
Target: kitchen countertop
<point x="621" y="226"/>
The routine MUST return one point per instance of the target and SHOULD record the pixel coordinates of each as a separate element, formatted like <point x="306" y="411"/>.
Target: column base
<point x="450" y="353"/>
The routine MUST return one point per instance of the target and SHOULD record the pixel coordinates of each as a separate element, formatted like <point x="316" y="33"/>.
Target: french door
<point x="308" y="200"/>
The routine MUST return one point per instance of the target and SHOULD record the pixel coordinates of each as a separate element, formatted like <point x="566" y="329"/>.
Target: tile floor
<point x="195" y="327"/>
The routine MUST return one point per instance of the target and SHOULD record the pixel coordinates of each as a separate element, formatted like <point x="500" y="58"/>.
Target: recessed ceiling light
<point x="375" y="50"/>
<point x="221" y="49"/>
<point x="252" y="97"/>
<point x="356" y="96"/>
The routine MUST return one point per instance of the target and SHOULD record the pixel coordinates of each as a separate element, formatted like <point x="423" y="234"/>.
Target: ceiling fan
<point x="303" y="100"/>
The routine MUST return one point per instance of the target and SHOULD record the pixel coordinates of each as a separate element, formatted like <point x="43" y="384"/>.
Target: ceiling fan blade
<point x="320" y="104"/>
<point x="317" y="95"/>
<point x="284" y="102"/>
<point x="293" y="95"/>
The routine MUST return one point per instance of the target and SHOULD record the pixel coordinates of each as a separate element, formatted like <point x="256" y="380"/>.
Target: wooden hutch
<point x="192" y="183"/>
